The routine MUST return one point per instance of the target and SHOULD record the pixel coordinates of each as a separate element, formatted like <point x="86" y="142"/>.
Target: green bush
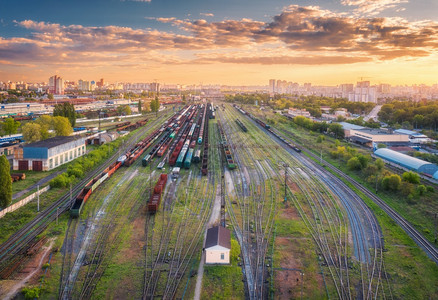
<point x="354" y="164"/>
<point x="411" y="177"/>
<point x="31" y="292"/>
<point x="391" y="182"/>
<point x="421" y="190"/>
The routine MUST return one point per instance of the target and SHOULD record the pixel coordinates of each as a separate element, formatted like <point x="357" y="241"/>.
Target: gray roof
<point x="407" y="161"/>
<point x="218" y="236"/>
<point x="349" y="126"/>
<point x="52" y="142"/>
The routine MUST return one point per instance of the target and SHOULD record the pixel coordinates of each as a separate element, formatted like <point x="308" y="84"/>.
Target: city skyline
<point x="391" y="41"/>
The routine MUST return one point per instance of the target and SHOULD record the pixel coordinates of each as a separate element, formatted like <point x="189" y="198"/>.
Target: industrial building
<point x="414" y="137"/>
<point x="408" y="162"/>
<point x="48" y="154"/>
<point x="368" y="136"/>
<point x="217" y="246"/>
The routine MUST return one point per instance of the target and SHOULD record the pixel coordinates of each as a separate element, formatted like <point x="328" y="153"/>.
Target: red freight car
<point x="154" y="201"/>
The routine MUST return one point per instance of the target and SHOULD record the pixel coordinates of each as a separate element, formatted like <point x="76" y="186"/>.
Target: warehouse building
<point x="48" y="154"/>
<point x="369" y="136"/>
<point x="408" y="162"/>
<point x="217" y="246"/>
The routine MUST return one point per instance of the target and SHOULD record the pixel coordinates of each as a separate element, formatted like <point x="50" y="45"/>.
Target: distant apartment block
<point x="56" y="85"/>
<point x="294" y="112"/>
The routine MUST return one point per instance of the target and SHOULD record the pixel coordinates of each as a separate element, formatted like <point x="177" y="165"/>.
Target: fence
<point x="22" y="202"/>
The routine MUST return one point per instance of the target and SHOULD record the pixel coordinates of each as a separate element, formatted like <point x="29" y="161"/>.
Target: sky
<point x="235" y="42"/>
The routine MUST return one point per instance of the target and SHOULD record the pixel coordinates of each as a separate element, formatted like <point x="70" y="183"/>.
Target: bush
<point x="31" y="292"/>
<point x="62" y="180"/>
<point x="391" y="182"/>
<point x="354" y="164"/>
<point x="421" y="190"/>
<point x="320" y="139"/>
<point x="430" y="189"/>
<point x="411" y="177"/>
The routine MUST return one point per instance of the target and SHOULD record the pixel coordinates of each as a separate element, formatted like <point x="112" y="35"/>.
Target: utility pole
<point x="436" y="225"/>
<point x="222" y="186"/>
<point x="320" y="156"/>
<point x="285" y="165"/>
<point x="38" y="193"/>
<point x="71" y="198"/>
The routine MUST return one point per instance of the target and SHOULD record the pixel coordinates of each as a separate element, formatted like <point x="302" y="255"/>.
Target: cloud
<point x="206" y="14"/>
<point x="372" y="7"/>
<point x="300" y="35"/>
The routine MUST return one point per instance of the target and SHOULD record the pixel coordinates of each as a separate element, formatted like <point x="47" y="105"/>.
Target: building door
<point x="37" y="165"/>
<point x="23" y="165"/>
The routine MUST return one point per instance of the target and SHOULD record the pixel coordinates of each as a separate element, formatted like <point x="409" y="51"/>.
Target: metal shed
<point x="407" y="161"/>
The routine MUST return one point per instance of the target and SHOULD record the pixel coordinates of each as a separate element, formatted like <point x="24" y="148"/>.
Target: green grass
<point x="224" y="282"/>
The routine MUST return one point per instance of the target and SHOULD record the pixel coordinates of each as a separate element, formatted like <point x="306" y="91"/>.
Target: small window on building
<point x="56" y="161"/>
<point x="71" y="155"/>
<point x="65" y="157"/>
<point x="50" y="163"/>
<point x="222" y="256"/>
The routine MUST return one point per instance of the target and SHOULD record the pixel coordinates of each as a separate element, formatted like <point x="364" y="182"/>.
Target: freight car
<point x="90" y="187"/>
<point x="241" y="125"/>
<point x="154" y="201"/>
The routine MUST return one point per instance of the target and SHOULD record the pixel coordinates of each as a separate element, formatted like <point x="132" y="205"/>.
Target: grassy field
<point x="411" y="274"/>
<point x="224" y="282"/>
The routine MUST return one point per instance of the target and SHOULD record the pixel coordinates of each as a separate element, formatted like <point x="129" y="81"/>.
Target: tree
<point x="10" y="126"/>
<point x="5" y="182"/>
<point x="337" y="130"/>
<point x="379" y="164"/>
<point x="421" y="190"/>
<point x="411" y="177"/>
<point x="124" y="110"/>
<point x="381" y="145"/>
<point x="46" y="123"/>
<point x="62" y="126"/>
<point x="155" y="105"/>
<point x="320" y="139"/>
<point x="354" y="164"/>
<point x="67" y="110"/>
<point x="50" y="96"/>
<point x="31" y="132"/>
<point x="391" y="182"/>
<point x="139" y="106"/>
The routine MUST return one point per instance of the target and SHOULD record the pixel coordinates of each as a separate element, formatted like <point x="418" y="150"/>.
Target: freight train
<point x="268" y="128"/>
<point x="80" y="200"/>
<point x="241" y="125"/>
<point x="126" y="159"/>
<point x="155" y="199"/>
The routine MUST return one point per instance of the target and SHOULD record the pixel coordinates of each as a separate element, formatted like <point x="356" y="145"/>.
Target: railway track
<point x="333" y="246"/>
<point x="18" y="242"/>
<point x="174" y="235"/>
<point x="257" y="208"/>
<point x="419" y="239"/>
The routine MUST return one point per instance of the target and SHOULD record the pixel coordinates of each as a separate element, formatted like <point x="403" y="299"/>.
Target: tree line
<point x="410" y="115"/>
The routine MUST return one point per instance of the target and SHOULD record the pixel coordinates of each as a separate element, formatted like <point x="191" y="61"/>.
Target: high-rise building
<point x="100" y="83"/>
<point x="56" y="85"/>
<point x="272" y="86"/>
<point x="83" y="85"/>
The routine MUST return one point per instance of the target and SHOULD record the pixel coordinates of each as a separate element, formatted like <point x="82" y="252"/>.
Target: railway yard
<point x="134" y="228"/>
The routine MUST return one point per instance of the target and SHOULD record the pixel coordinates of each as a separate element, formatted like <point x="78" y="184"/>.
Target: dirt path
<point x="214" y="218"/>
<point x="40" y="183"/>
<point x="22" y="282"/>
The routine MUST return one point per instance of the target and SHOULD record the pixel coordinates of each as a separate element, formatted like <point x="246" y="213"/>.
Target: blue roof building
<point x="408" y="162"/>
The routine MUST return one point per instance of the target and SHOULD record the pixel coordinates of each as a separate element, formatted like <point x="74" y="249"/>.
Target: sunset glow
<point x="384" y="40"/>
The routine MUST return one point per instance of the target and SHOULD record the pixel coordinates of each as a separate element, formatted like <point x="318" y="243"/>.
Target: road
<point x="373" y="113"/>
